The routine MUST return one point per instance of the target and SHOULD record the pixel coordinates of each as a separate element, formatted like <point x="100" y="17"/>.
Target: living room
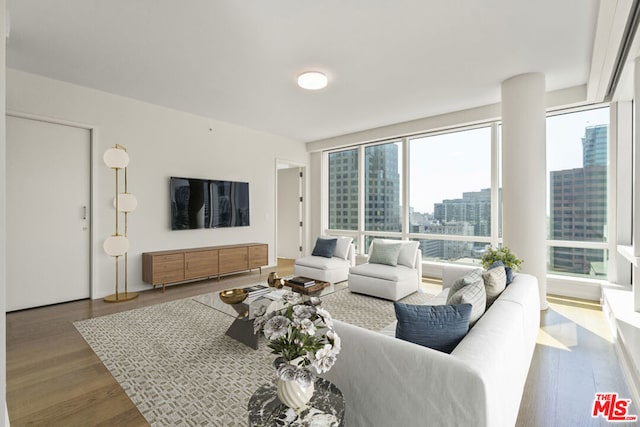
<point x="246" y="135"/>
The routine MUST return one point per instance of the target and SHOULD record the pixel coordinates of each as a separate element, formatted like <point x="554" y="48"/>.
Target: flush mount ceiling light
<point x="312" y="80"/>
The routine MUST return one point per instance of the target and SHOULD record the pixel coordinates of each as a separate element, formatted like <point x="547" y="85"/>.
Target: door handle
<point x="84" y="212"/>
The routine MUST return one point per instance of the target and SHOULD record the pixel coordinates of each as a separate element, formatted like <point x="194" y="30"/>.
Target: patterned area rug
<point x="179" y="368"/>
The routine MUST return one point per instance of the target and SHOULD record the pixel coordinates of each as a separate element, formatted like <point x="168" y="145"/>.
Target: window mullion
<point x="495" y="184"/>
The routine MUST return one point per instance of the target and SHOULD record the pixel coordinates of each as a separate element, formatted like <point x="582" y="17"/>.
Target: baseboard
<point x="588" y="289"/>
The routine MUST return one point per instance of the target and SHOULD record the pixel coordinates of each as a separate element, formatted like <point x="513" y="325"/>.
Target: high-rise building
<point x="579" y="206"/>
<point x="594" y="146"/>
<point x="466" y="216"/>
<point x="473" y="208"/>
<point x="343" y="190"/>
<point x="382" y="188"/>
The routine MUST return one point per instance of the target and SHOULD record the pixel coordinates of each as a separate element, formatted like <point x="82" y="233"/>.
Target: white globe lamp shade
<point x="312" y="80"/>
<point x="116" y="158"/>
<point x="127" y="202"/>
<point x="116" y="245"/>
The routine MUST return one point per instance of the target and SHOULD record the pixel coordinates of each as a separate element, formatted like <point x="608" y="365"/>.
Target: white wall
<point x="3" y="238"/>
<point x="161" y="143"/>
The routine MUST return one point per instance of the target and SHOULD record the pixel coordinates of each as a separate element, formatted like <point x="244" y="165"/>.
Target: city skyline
<point x="458" y="158"/>
<point x="577" y="194"/>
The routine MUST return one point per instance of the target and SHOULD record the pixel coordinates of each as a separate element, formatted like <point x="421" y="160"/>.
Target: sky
<point x="564" y="137"/>
<point x="445" y="166"/>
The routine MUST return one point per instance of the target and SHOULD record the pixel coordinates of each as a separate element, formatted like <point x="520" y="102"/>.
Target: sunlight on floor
<point x="560" y="325"/>
<point x="547" y="339"/>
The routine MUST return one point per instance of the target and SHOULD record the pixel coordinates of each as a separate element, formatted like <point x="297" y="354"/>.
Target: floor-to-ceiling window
<point x="577" y="196"/>
<point x="449" y="196"/>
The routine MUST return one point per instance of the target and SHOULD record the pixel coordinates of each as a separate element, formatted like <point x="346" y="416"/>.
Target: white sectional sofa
<point x="387" y="381"/>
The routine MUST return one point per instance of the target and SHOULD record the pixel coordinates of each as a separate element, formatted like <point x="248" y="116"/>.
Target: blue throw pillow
<point x="507" y="270"/>
<point x="509" y="274"/>
<point x="496" y="265"/>
<point x="440" y="327"/>
<point x="325" y="247"/>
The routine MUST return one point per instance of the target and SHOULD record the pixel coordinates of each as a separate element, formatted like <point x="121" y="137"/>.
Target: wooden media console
<point x="174" y="266"/>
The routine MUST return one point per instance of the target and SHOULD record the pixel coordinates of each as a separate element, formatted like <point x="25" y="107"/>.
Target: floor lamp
<point x="117" y="245"/>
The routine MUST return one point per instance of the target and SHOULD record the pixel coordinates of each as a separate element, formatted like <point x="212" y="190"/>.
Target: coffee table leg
<point x="242" y="330"/>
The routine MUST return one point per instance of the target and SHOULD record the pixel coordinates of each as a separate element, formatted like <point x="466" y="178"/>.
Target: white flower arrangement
<point x="302" y="335"/>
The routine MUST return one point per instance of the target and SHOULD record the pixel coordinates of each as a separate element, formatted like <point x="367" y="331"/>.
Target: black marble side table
<point x="326" y="407"/>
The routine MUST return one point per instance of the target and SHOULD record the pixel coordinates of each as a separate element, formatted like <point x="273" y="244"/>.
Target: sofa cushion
<point x="325" y="247"/>
<point x="342" y="247"/>
<point x="474" y="294"/>
<point x="507" y="270"/>
<point x="440" y="327"/>
<point x="382" y="271"/>
<point x="495" y="280"/>
<point x="469" y="278"/>
<point x="407" y="255"/>
<point x="322" y="263"/>
<point x="384" y="252"/>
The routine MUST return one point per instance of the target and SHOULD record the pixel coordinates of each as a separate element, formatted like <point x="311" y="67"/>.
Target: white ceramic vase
<point x="294" y="395"/>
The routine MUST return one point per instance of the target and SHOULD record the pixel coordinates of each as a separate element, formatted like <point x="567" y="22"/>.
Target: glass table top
<point x="253" y="307"/>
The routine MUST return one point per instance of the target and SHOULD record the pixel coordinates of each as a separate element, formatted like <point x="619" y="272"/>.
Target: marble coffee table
<point x="326" y="407"/>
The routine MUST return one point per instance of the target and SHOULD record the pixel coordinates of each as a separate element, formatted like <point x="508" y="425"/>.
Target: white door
<point x="48" y="226"/>
<point x="290" y="213"/>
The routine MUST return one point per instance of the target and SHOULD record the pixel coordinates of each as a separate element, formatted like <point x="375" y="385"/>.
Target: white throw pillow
<point x="407" y="256"/>
<point x="474" y="294"/>
<point x="342" y="247"/>
<point x="495" y="280"/>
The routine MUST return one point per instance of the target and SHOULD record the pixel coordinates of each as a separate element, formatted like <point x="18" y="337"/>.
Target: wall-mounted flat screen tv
<point x="208" y="203"/>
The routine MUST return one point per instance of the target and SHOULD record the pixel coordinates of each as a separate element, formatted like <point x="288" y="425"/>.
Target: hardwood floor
<point x="574" y="359"/>
<point x="54" y="379"/>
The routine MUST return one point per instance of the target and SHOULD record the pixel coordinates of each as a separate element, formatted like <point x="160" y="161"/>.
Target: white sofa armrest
<point x="351" y="255"/>
<point x="386" y="381"/>
<point x="418" y="264"/>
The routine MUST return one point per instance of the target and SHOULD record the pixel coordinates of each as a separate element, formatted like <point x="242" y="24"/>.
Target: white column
<point x="524" y="174"/>
<point x="620" y="189"/>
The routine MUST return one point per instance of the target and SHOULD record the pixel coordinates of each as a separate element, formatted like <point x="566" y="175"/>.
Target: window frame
<point x="609" y="246"/>
<point x="495" y="239"/>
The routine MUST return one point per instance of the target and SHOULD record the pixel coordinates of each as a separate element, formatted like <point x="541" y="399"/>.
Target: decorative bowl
<point x="271" y="280"/>
<point x="233" y="296"/>
<point x="274" y="281"/>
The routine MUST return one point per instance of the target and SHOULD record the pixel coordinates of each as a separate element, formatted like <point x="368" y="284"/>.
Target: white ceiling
<point x="237" y="61"/>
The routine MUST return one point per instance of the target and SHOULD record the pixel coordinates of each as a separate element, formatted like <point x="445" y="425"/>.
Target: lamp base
<point x="121" y="297"/>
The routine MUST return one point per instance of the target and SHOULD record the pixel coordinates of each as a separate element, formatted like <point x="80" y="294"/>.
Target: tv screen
<point x="207" y="203"/>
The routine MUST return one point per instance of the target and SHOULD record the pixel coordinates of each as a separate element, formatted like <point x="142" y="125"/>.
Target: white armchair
<point x="326" y="268"/>
<point x="390" y="273"/>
